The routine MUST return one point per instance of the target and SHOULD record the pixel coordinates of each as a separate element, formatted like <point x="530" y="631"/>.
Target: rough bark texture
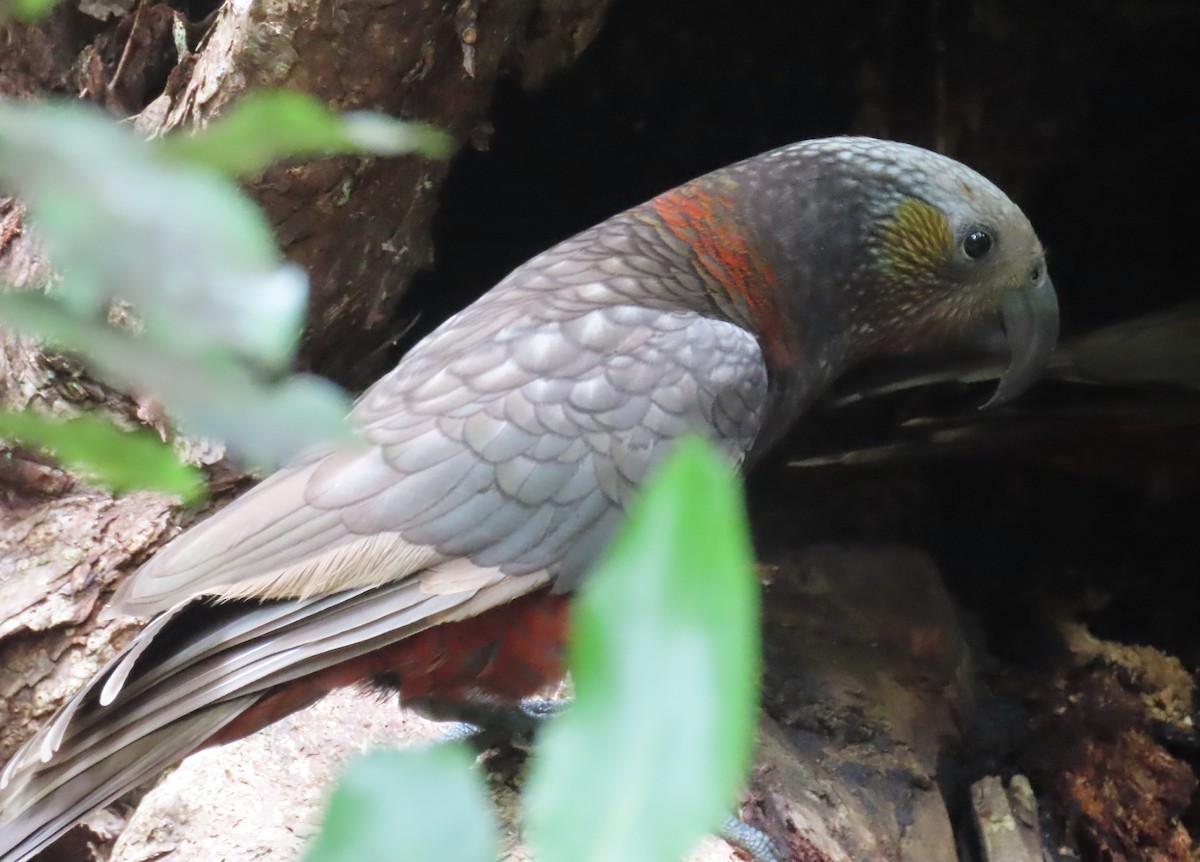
<point x="360" y="227"/>
<point x="57" y="560"/>
<point x="1006" y="819"/>
<point x="869" y="677"/>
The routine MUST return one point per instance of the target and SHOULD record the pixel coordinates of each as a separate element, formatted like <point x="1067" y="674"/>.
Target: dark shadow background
<point x="1088" y="113"/>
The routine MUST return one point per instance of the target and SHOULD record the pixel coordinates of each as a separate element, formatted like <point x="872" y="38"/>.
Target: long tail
<point x="189" y="675"/>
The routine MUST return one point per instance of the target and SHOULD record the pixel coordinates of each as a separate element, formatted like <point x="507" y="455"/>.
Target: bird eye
<point x="977" y="243"/>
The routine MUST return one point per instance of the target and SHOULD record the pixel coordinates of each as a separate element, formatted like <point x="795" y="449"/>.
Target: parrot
<point x="435" y="553"/>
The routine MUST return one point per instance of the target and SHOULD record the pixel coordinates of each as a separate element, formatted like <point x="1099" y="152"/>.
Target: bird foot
<point x="750" y="840"/>
<point x="490" y="724"/>
<point x="487" y="724"/>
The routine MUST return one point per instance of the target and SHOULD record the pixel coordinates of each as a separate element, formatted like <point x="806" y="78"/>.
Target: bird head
<point x="948" y="260"/>
<point x="952" y="259"/>
<point x="893" y="249"/>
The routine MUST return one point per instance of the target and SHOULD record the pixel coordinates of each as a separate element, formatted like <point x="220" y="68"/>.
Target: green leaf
<point x="262" y="422"/>
<point x="183" y="246"/>
<point x="664" y="655"/>
<point x="217" y="312"/>
<point x="121" y="460"/>
<point x="415" y="805"/>
<point x="269" y="125"/>
<point x="28" y="10"/>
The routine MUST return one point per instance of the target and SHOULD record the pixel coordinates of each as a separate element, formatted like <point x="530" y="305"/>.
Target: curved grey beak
<point x="1030" y="319"/>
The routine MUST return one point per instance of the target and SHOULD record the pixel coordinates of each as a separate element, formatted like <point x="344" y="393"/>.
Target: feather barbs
<point x="364" y="561"/>
<point x="915" y="242"/>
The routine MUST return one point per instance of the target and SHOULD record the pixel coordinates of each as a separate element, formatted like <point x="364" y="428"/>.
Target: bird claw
<point x="757" y="844"/>
<point x="488" y="724"/>
<point x="539" y="709"/>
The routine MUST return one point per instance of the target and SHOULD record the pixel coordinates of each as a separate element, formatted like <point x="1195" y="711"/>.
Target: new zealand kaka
<point x="493" y="463"/>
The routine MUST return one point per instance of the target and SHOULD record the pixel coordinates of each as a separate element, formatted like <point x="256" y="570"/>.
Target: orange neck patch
<point x="728" y="262"/>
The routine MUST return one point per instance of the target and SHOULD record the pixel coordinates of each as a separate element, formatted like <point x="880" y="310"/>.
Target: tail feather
<point x="63" y="793"/>
<point x="181" y="681"/>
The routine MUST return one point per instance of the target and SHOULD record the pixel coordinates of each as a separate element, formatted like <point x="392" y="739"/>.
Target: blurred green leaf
<point x="184" y="247"/>
<point x="664" y="655"/>
<point x="416" y="805"/>
<point x="121" y="460"/>
<point x="26" y="10"/>
<point x="261" y="421"/>
<point x="217" y="311"/>
<point x="269" y="125"/>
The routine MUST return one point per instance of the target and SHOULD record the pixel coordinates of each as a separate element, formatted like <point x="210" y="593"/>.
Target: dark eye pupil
<point x="977" y="244"/>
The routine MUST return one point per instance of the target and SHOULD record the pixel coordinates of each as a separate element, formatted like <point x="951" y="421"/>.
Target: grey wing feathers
<point x="497" y="458"/>
<point x="567" y="417"/>
<point x="271" y="543"/>
<point x="515" y="430"/>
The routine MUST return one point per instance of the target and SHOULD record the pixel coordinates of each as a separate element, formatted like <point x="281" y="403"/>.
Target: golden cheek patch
<point x="915" y="241"/>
